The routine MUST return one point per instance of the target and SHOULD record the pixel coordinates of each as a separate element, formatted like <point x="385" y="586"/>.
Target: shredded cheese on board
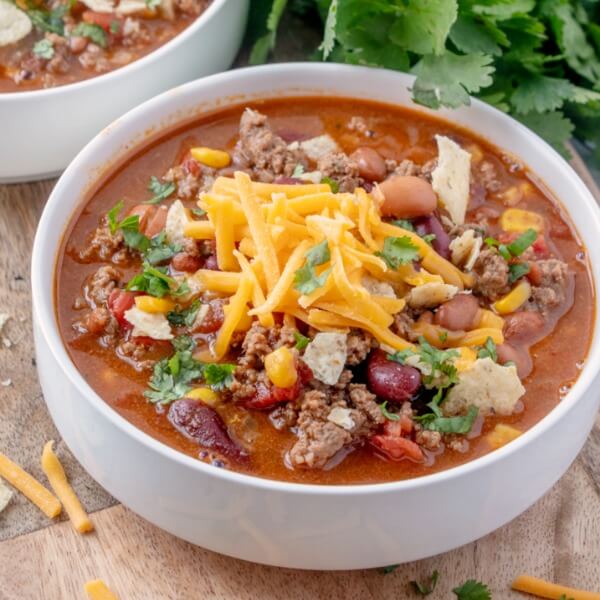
<point x="98" y="590"/>
<point x="29" y="487"/>
<point x="58" y="480"/>
<point x="554" y="591"/>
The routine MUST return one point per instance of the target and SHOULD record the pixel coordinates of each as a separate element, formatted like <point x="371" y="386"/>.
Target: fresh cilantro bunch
<point x="538" y="60"/>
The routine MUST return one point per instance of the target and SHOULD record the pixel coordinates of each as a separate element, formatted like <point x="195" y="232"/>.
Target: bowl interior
<point x="181" y="104"/>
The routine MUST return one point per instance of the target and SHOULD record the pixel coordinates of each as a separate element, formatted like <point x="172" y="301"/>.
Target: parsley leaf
<point x="539" y="93"/>
<point x="218" y="375"/>
<point x="398" y="251"/>
<point x="387" y="414"/>
<point x="44" y="49"/>
<point x="517" y="270"/>
<point x="554" y="127"/>
<point x="306" y="279"/>
<point x="93" y="32"/>
<point x="426" y="587"/>
<point x="301" y="340"/>
<point x="332" y="183"/>
<point x="160" y="190"/>
<point x="186" y="316"/>
<point x="155" y="282"/>
<point x="472" y="590"/>
<point x="488" y="350"/>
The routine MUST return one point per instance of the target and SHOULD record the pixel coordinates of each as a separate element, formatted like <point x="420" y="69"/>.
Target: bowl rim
<point x="45" y="317"/>
<point x="124" y="71"/>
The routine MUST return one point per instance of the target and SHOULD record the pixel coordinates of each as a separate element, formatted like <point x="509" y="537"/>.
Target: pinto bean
<point x="432" y="225"/>
<point x="458" y="314"/>
<point x="523" y="327"/>
<point x="187" y="263"/>
<point x="77" y="44"/>
<point x="407" y="197"/>
<point x="391" y="380"/>
<point x="519" y="355"/>
<point x="157" y="223"/>
<point x="370" y="163"/>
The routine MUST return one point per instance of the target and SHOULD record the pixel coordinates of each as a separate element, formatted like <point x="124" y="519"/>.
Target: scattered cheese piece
<point x="501" y="435"/>
<point x="465" y="249"/>
<point x="326" y="356"/>
<point x="151" y="325"/>
<point x="5" y="495"/>
<point x="487" y="385"/>
<point x="177" y="219"/>
<point x="30" y="487"/>
<point x="98" y="590"/>
<point x="14" y="23"/>
<point x="429" y="295"/>
<point x="451" y="178"/>
<point x="58" y="480"/>
<point x="167" y="9"/>
<point x="316" y="147"/>
<point x="554" y="591"/>
<point x="341" y="417"/>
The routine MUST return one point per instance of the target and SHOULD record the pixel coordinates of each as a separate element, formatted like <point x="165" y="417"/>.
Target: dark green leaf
<point x="50" y="21"/>
<point x="301" y="340"/>
<point x="218" y="375"/>
<point x="155" y="282"/>
<point x="424" y="588"/>
<point x="186" y="316"/>
<point x="332" y="183"/>
<point x="471" y="36"/>
<point x="160" y="190"/>
<point x="472" y="590"/>
<point x="112" y="216"/>
<point x="266" y="43"/>
<point x="488" y="350"/>
<point x="389" y="569"/>
<point x="398" y="251"/>
<point x="538" y="93"/>
<point x="306" y="279"/>
<point x="459" y="425"/>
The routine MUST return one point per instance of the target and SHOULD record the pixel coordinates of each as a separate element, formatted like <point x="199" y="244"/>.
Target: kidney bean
<point x="431" y="224"/>
<point x="264" y="397"/>
<point x="119" y="302"/>
<point x="77" y="44"/>
<point x="519" y="355"/>
<point x="370" y="163"/>
<point x="144" y="213"/>
<point x="459" y="313"/>
<point x="185" y="262"/>
<point x="203" y="424"/>
<point x="407" y="197"/>
<point x="390" y="380"/>
<point x="523" y="327"/>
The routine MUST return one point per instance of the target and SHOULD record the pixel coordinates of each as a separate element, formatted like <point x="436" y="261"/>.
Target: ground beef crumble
<point x="341" y="168"/>
<point x="553" y="287"/>
<point x="99" y="286"/>
<point x="105" y="245"/>
<point x="491" y="275"/>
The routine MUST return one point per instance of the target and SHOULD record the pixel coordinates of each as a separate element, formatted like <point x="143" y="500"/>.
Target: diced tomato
<point x="214" y="318"/>
<point x="263" y="398"/>
<point x="535" y="274"/>
<point x="119" y="302"/>
<point x="287" y="394"/>
<point x="304" y="371"/>
<point x="144" y="212"/>
<point x="397" y="448"/>
<point x="157" y="223"/>
<point x="104" y="20"/>
<point x="191" y="166"/>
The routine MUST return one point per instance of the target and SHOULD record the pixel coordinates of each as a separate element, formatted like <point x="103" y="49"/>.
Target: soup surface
<point x="50" y="43"/>
<point x="325" y="291"/>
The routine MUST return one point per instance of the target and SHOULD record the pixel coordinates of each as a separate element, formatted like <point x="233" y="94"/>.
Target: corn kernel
<point x="217" y="159"/>
<point x="204" y="394"/>
<point x="512" y="196"/>
<point x="488" y="319"/>
<point x="514" y="299"/>
<point x="280" y="367"/>
<point x="501" y="435"/>
<point x="153" y="305"/>
<point x="517" y="220"/>
<point x="466" y="359"/>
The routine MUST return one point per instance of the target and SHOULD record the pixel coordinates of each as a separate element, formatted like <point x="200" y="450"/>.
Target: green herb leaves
<point x="50" y="21"/>
<point x="472" y="590"/>
<point x="398" y="251"/>
<point x="155" y="282"/>
<point x="306" y="279"/>
<point x="93" y="32"/>
<point x="426" y="587"/>
<point x="218" y="376"/>
<point x="488" y="350"/>
<point x="301" y="340"/>
<point x="44" y="49"/>
<point x="160" y="190"/>
<point x="514" y="249"/>
<point x="387" y="414"/>
<point x="186" y="316"/>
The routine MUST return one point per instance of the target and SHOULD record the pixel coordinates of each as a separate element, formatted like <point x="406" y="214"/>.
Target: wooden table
<point x="558" y="538"/>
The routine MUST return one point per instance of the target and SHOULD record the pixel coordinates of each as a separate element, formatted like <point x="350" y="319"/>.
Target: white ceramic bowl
<point x="42" y="130"/>
<point x="293" y="525"/>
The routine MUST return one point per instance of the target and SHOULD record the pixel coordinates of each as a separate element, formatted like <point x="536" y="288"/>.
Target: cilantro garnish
<point x="152" y="4"/>
<point x="301" y="340"/>
<point x="333" y="184"/>
<point x="389" y="569"/>
<point x="115" y="26"/>
<point x="218" y="376"/>
<point x="93" y="32"/>
<point x="298" y="170"/>
<point x="160" y="250"/>
<point x="472" y="590"/>
<point x="517" y="270"/>
<point x="306" y="279"/>
<point x="160" y="190"/>
<point x="398" y="251"/>
<point x="44" y="49"/>
<point x="429" y="238"/>
<point x="488" y="350"/>
<point x="198" y="212"/>
<point x="426" y="587"/>
<point x="51" y="21"/>
<point x="155" y="282"/>
<point x="186" y="316"/>
<point x="387" y="414"/>
<point x="404" y="224"/>
<point x="443" y="336"/>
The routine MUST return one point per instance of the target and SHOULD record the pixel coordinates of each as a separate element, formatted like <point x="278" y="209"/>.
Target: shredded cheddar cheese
<point x="263" y="234"/>
<point x="554" y="591"/>
<point x="58" y="480"/>
<point x="29" y="487"/>
<point x="98" y="590"/>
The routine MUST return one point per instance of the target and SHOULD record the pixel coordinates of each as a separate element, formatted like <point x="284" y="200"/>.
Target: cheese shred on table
<point x="58" y="480"/>
<point x="29" y="487"/>
<point x="98" y="590"/>
<point x="275" y="227"/>
<point x="554" y="591"/>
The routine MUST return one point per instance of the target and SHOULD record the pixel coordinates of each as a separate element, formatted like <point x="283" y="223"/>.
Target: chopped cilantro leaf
<point x="218" y="375"/>
<point x="329" y="34"/>
<point x="387" y="414"/>
<point x="112" y="216"/>
<point x="50" y="21"/>
<point x="93" y="32"/>
<point x="115" y="26"/>
<point x="306" y="279"/>
<point x="318" y="255"/>
<point x="160" y="190"/>
<point x="159" y="250"/>
<point x="298" y="170"/>
<point x="517" y="270"/>
<point x="518" y="246"/>
<point x="332" y="183"/>
<point x="186" y="316"/>
<point x="488" y="350"/>
<point x="44" y="49"/>
<point x="443" y="336"/>
<point x="472" y="590"/>
<point x="404" y="224"/>
<point x="155" y="282"/>
<point x="398" y="251"/>
<point x="152" y="4"/>
<point x="130" y="226"/>
<point x="426" y="587"/>
<point x="198" y="212"/>
<point x="389" y="569"/>
<point x="301" y="340"/>
<point x="428" y="238"/>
